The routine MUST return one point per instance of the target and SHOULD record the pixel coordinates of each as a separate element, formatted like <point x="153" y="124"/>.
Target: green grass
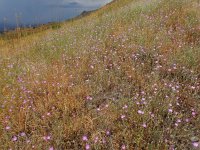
<point x="126" y="76"/>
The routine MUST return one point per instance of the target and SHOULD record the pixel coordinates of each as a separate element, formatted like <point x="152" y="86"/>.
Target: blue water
<point x="15" y="13"/>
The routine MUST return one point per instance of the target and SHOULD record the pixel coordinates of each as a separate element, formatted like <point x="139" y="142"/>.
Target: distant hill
<point x="7" y="27"/>
<point x="1" y="27"/>
<point x="15" y="33"/>
<point x="84" y="13"/>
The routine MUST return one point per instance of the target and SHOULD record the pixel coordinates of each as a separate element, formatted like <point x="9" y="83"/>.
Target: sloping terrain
<point x="124" y="77"/>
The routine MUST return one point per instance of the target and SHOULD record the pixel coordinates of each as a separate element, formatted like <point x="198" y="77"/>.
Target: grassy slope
<point x="126" y="76"/>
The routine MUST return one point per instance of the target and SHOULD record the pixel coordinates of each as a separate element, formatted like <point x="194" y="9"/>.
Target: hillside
<point x="126" y="76"/>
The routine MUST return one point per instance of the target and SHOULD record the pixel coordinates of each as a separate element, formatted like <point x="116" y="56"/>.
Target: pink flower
<point x="170" y="110"/>
<point x="89" y="98"/>
<point x="98" y="109"/>
<point x="106" y="105"/>
<point x="152" y="115"/>
<point x="140" y="112"/>
<point x="87" y="146"/>
<point x="103" y="141"/>
<point x="91" y="66"/>
<point x="123" y="147"/>
<point x="14" y="138"/>
<point x="84" y="138"/>
<point x="22" y="134"/>
<point x="193" y="113"/>
<point x="7" y="128"/>
<point x="46" y="138"/>
<point x="195" y="144"/>
<point x="51" y="148"/>
<point x="96" y="139"/>
<point x="187" y="120"/>
<point x="125" y="107"/>
<point x="123" y="116"/>
<point x="107" y="132"/>
<point x="144" y="125"/>
<point x="28" y="141"/>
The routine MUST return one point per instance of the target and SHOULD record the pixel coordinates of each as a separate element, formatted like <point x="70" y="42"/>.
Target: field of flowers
<point x="126" y="77"/>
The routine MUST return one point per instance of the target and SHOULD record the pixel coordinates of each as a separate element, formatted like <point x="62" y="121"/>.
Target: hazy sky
<point x="42" y="11"/>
